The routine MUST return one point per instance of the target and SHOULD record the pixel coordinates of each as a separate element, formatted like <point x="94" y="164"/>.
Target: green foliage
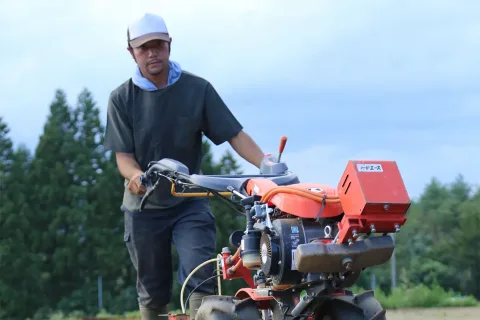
<point x="227" y="219"/>
<point x="437" y="246"/>
<point x="418" y="296"/>
<point x="19" y="266"/>
<point x="423" y="296"/>
<point x="62" y="229"/>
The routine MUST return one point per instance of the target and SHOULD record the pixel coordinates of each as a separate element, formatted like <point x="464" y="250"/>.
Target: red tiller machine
<point x="304" y="244"/>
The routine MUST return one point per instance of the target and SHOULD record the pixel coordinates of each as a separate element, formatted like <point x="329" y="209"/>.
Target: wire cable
<point x="190" y="275"/>
<point x="190" y="294"/>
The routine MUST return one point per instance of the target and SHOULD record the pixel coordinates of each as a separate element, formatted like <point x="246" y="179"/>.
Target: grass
<point x="403" y="303"/>
<point x="451" y="313"/>
<point x="467" y="313"/>
<point x="422" y="296"/>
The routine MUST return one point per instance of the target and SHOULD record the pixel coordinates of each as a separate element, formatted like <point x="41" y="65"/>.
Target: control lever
<point x="283" y="141"/>
<point x="235" y="192"/>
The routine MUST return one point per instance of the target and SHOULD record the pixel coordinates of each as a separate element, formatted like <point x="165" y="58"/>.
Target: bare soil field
<point x="470" y="313"/>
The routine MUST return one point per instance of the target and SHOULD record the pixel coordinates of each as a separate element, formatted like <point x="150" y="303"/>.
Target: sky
<point x="343" y="80"/>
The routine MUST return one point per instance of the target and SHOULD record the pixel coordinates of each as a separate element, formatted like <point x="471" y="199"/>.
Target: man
<point x="161" y="112"/>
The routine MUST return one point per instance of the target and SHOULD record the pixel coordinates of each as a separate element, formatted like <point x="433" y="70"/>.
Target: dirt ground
<point x="434" y="313"/>
<point x="471" y="313"/>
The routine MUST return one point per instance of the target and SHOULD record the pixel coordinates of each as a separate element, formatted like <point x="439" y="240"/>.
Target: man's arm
<point x="119" y="139"/>
<point x="130" y="170"/>
<point x="128" y="165"/>
<point x="220" y="125"/>
<point x="244" y="145"/>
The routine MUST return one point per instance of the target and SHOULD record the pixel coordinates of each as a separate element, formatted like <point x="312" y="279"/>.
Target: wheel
<point x="274" y="312"/>
<point x="371" y="307"/>
<point x="354" y="307"/>
<point x="360" y="307"/>
<point x="227" y="308"/>
<point x="266" y="315"/>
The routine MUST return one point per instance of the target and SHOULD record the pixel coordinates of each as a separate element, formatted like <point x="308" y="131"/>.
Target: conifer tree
<point x="101" y="194"/>
<point x="464" y="247"/>
<point x="18" y="264"/>
<point x="227" y="218"/>
<point x="57" y="239"/>
<point x="61" y="227"/>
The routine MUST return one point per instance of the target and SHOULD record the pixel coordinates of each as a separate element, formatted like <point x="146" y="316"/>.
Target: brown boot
<point x="194" y="303"/>
<point x="154" y="314"/>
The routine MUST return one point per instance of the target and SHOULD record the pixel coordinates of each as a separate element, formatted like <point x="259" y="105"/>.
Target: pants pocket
<point x="127" y="232"/>
<point x="127" y="238"/>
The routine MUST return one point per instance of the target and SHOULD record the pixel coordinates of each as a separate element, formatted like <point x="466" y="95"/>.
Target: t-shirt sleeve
<point x="219" y="124"/>
<point x="118" y="131"/>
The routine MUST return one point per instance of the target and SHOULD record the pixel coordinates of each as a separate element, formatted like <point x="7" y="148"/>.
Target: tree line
<point x="62" y="228"/>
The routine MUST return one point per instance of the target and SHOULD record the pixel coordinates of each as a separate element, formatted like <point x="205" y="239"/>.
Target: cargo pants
<point x="149" y="235"/>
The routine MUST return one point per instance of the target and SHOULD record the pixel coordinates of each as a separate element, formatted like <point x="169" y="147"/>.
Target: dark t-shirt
<point x="167" y="123"/>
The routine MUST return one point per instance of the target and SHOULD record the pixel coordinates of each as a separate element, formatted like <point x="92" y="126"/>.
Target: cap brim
<point x="149" y="37"/>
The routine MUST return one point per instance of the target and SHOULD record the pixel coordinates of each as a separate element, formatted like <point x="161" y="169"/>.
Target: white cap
<point x="148" y="27"/>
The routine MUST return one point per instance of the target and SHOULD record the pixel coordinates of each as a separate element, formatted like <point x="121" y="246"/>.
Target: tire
<point x="358" y="307"/>
<point x="273" y="313"/>
<point x="371" y="307"/>
<point x="363" y="306"/>
<point x="227" y="308"/>
<point x="337" y="310"/>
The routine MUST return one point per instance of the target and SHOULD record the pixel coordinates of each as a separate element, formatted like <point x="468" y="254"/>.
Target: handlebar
<point x="208" y="185"/>
<point x="178" y="174"/>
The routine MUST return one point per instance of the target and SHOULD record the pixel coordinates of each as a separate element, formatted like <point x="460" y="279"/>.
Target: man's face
<point x="152" y="57"/>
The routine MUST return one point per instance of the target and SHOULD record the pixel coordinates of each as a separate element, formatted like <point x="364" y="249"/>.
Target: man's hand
<point x="135" y="185"/>
<point x="131" y="171"/>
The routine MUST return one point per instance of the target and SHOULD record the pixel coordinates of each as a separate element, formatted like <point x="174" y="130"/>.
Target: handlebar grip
<point x="143" y="179"/>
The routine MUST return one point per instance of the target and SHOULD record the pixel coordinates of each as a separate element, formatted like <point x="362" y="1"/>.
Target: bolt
<point x="354" y="233"/>
<point x="385" y="207"/>
<point x="225" y="250"/>
<point x="328" y="231"/>
<point x="347" y="263"/>
<point x="372" y="228"/>
<point x="397" y="228"/>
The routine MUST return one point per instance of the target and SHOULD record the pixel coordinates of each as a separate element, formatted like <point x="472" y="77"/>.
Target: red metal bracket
<point x="232" y="268"/>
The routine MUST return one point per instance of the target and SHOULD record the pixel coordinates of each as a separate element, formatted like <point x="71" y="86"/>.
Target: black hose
<point x="210" y="278"/>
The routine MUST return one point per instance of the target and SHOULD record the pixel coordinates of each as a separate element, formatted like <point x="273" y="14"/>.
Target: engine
<point x="298" y="231"/>
<point x="277" y="245"/>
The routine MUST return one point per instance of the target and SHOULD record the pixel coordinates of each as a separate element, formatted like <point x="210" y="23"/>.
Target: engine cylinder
<point x="277" y="250"/>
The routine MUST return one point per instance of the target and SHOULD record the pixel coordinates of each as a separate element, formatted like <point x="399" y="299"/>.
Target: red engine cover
<point x="298" y="205"/>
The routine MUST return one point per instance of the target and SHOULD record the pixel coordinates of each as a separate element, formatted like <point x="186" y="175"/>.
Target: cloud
<point x="340" y="79"/>
<point x="325" y="164"/>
